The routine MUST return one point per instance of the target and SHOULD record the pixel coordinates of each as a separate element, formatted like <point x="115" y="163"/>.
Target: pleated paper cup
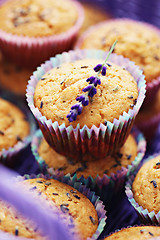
<point x="95" y="200"/>
<point x="31" y="51"/>
<point x="107" y="187"/>
<point x="97" y="141"/>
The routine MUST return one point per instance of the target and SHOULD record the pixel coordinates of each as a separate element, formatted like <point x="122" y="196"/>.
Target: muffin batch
<point x="85" y="102"/>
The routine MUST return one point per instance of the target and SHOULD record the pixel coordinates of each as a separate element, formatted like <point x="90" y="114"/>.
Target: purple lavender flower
<point x="97" y="68"/>
<point x="83" y="99"/>
<point x="94" y="80"/>
<point x="91" y="88"/>
<point x="92" y="92"/>
<point x="87" y="89"/>
<point x="104" y="70"/>
<point x="74" y="112"/>
<point x="91" y="79"/>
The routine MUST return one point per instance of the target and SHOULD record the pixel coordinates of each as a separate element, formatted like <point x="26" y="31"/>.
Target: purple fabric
<point x="31" y="207"/>
<point x="143" y="10"/>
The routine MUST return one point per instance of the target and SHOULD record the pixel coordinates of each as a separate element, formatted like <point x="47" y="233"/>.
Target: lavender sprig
<point x="90" y="90"/>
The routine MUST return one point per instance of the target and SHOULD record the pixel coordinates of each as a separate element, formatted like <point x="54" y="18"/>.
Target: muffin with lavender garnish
<point x="136" y="233"/>
<point x="84" y="103"/>
<point x="137" y="41"/>
<point x="33" y="31"/>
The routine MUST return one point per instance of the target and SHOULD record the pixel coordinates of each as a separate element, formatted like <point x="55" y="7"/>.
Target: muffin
<point x="16" y="128"/>
<point x="58" y="89"/>
<point x="146" y="184"/>
<point x="28" y="28"/>
<point x="70" y="201"/>
<point x="74" y="208"/>
<point x="138" y="232"/>
<point x="104" y="124"/>
<point x="148" y="118"/>
<point x="134" y="42"/>
<point x="143" y="190"/>
<point x="88" y="166"/>
<point x="104" y="176"/>
<point x="92" y="15"/>
<point x="13" y="77"/>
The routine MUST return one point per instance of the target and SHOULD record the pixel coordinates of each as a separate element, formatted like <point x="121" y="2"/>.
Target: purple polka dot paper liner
<point x="94" y="199"/>
<point x="29" y="51"/>
<point x="97" y="141"/>
<point x="107" y="187"/>
<point x="145" y="216"/>
<point x="10" y="156"/>
<point x="151" y="87"/>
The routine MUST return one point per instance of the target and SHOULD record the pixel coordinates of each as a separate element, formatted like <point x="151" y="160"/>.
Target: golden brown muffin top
<point x="69" y="201"/>
<point x="136" y="41"/>
<point x="58" y="89"/>
<point x="148" y="112"/>
<point x="90" y="167"/>
<point x="37" y="18"/>
<point x="13" y="125"/>
<point x="146" y="186"/>
<point x="136" y="233"/>
<point x="13" y="77"/>
<point x="92" y="15"/>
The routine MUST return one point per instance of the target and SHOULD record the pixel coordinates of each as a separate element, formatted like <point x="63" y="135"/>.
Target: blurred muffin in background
<point x="148" y="118"/>
<point x="32" y="31"/>
<point x="13" y="77"/>
<point x="138" y="41"/>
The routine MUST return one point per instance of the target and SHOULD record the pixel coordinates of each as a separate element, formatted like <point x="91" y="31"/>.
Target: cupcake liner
<point x="151" y="87"/>
<point x="98" y="141"/>
<point x="144" y="214"/>
<point x="97" y="203"/>
<point x="46" y="216"/>
<point x="149" y="127"/>
<point x="28" y="51"/>
<point x="107" y="187"/>
<point x="11" y="156"/>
